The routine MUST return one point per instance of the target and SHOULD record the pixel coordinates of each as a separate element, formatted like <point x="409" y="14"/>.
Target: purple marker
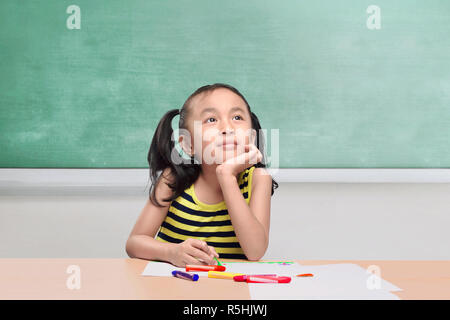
<point x="185" y="275"/>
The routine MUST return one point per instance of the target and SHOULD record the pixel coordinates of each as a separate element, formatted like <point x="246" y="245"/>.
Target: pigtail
<point x="162" y="144"/>
<point x="160" y="150"/>
<point x="160" y="157"/>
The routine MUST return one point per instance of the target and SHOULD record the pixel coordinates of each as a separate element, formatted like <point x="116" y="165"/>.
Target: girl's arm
<point x="251" y="222"/>
<point x="141" y="242"/>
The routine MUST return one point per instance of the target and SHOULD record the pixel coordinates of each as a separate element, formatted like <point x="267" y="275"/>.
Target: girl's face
<point x="220" y="125"/>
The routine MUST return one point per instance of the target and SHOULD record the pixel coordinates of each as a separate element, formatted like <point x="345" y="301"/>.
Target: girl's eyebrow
<point x="210" y="109"/>
<point x="237" y="109"/>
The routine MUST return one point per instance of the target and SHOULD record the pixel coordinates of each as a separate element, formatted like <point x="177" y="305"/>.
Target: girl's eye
<point x="238" y="116"/>
<point x="207" y="120"/>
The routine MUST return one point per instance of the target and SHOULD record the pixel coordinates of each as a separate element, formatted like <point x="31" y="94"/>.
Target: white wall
<point x="308" y="221"/>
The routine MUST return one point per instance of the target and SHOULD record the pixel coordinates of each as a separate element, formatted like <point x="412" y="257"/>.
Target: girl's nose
<point x="227" y="130"/>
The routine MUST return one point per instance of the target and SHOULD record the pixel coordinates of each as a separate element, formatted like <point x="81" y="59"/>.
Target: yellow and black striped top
<point x="190" y="218"/>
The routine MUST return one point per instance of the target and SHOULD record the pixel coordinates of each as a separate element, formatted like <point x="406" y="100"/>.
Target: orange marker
<point x="305" y="275"/>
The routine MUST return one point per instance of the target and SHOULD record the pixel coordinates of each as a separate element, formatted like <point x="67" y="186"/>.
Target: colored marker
<point x="190" y="267"/>
<point x="218" y="262"/>
<point x="305" y="275"/>
<point x="223" y="275"/>
<point x="256" y="279"/>
<point x="185" y="275"/>
<point x="244" y="277"/>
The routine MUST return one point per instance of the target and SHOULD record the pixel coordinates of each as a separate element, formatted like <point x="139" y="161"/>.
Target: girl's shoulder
<point x="261" y="176"/>
<point x="260" y="171"/>
<point x="251" y="173"/>
<point x="255" y="171"/>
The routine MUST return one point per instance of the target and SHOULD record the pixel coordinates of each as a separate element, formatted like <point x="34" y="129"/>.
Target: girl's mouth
<point x="228" y="146"/>
<point x="224" y="142"/>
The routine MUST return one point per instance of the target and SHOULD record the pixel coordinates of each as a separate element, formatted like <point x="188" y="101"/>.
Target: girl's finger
<point x="188" y="259"/>
<point x="251" y="156"/>
<point x="258" y="156"/>
<point x="200" y="244"/>
<point x="199" y="254"/>
<point x="213" y="251"/>
<point x="253" y="146"/>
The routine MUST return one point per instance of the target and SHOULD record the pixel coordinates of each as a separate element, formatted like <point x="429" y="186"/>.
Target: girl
<point x="205" y="209"/>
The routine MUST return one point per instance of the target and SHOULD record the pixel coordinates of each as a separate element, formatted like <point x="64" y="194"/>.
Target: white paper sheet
<point x="332" y="281"/>
<point x="160" y="269"/>
<point x="310" y="289"/>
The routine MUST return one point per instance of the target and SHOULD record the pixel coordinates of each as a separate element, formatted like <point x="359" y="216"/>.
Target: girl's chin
<point x="229" y="147"/>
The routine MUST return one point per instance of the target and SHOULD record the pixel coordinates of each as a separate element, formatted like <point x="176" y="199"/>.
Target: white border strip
<point x="364" y="175"/>
<point x="139" y="178"/>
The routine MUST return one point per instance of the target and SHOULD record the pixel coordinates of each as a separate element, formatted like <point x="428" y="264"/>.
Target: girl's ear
<point x="185" y="145"/>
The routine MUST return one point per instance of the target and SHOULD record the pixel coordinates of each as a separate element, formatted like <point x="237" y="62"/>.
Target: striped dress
<point x="190" y="218"/>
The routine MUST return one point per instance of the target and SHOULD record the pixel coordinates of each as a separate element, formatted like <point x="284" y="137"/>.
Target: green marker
<point x="218" y="262"/>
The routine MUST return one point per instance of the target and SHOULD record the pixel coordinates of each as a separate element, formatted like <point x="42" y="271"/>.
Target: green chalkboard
<point x="342" y="93"/>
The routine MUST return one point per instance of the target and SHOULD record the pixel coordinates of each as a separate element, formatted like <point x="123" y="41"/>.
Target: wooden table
<point x="121" y="279"/>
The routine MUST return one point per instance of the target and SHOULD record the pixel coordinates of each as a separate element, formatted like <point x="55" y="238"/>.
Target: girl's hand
<point x="192" y="251"/>
<point x="235" y="165"/>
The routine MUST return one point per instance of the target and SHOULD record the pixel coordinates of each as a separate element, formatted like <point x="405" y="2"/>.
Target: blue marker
<point x="185" y="275"/>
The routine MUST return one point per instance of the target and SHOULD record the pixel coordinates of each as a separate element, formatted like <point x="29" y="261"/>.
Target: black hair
<point x="162" y="146"/>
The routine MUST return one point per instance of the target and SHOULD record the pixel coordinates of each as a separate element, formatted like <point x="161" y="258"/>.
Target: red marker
<point x="192" y="267"/>
<point x="259" y="279"/>
<point x="244" y="277"/>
